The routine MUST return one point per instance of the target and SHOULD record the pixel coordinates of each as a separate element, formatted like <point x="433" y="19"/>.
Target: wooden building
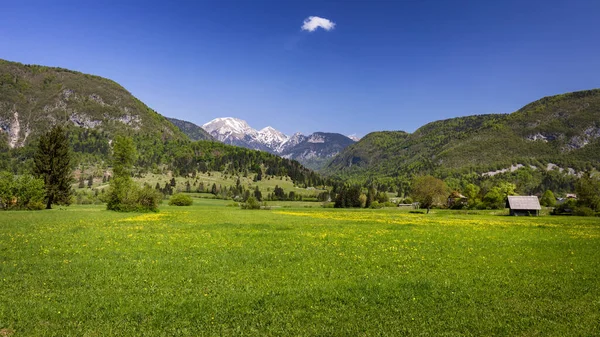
<point x="523" y="205"/>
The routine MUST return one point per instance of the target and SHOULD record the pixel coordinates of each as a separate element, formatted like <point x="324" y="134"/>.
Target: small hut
<point x="456" y="200"/>
<point x="524" y="205"/>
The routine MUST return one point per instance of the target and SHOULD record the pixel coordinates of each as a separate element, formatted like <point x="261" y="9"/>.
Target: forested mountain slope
<point x="33" y="98"/>
<point x="193" y="131"/>
<point x="562" y="130"/>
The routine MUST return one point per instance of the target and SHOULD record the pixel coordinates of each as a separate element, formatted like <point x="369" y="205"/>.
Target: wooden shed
<point x="524" y="205"/>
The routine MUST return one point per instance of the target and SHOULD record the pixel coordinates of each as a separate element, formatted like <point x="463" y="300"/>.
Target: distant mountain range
<point x="313" y="151"/>
<point x="561" y="131"/>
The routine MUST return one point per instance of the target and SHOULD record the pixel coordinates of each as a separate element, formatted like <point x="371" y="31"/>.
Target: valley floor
<point x="213" y="270"/>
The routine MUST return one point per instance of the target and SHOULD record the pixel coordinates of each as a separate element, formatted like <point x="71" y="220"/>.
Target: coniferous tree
<point x="257" y="194"/>
<point x="52" y="163"/>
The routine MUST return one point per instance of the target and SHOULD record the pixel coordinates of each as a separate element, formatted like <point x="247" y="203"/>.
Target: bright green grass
<point x="215" y="270"/>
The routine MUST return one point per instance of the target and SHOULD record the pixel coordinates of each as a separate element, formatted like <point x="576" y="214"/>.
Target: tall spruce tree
<point x="52" y="163"/>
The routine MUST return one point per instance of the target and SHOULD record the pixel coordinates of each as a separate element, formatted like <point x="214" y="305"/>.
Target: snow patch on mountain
<point x="291" y="142"/>
<point x="271" y="138"/>
<point x="316" y="138"/>
<point x="229" y="127"/>
<point x="354" y="137"/>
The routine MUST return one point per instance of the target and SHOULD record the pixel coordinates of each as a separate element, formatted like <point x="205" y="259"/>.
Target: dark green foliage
<point x="565" y="208"/>
<point x="348" y="196"/>
<point x="52" y="164"/>
<point x="583" y="211"/>
<point x="257" y="194"/>
<point x="279" y="193"/>
<point x="21" y="192"/>
<point x="588" y="192"/>
<point x="181" y="199"/>
<point x="429" y="191"/>
<point x="496" y="197"/>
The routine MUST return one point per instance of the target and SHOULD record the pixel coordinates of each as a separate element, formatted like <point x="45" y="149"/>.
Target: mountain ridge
<point x="561" y="129"/>
<point x="235" y="131"/>
<point x="33" y="98"/>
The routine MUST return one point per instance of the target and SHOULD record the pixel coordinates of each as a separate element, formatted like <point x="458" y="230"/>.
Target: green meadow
<point x="214" y="270"/>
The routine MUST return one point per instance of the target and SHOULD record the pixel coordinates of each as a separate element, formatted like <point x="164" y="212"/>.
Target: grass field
<point x="212" y="270"/>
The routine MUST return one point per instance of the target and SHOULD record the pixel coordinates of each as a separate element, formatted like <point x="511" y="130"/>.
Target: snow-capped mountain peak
<point x="228" y="125"/>
<point x="271" y="137"/>
<point x="354" y="137"/>
<point x="292" y="141"/>
<point x="313" y="149"/>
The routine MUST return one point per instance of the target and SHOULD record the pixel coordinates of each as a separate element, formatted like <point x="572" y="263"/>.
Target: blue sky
<point x="386" y="65"/>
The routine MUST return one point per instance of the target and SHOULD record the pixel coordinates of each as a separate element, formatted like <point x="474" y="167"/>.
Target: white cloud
<point x="313" y="22"/>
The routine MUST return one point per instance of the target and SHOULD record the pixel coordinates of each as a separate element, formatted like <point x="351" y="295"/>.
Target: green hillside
<point x="562" y="130"/>
<point x="33" y="98"/>
<point x="193" y="131"/>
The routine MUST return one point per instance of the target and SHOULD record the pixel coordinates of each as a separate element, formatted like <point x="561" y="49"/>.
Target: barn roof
<point x="524" y="202"/>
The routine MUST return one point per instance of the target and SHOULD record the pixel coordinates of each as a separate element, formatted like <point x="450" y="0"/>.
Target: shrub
<point x="376" y="204"/>
<point x="251" y="203"/>
<point x="126" y="196"/>
<point x="548" y="199"/>
<point x="363" y="200"/>
<point x="583" y="211"/>
<point x="181" y="199"/>
<point x="566" y="207"/>
<point x="148" y="199"/>
<point x="36" y="206"/>
<point x="21" y="192"/>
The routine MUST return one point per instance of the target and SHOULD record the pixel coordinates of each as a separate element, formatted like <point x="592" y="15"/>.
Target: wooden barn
<point x="523" y="205"/>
